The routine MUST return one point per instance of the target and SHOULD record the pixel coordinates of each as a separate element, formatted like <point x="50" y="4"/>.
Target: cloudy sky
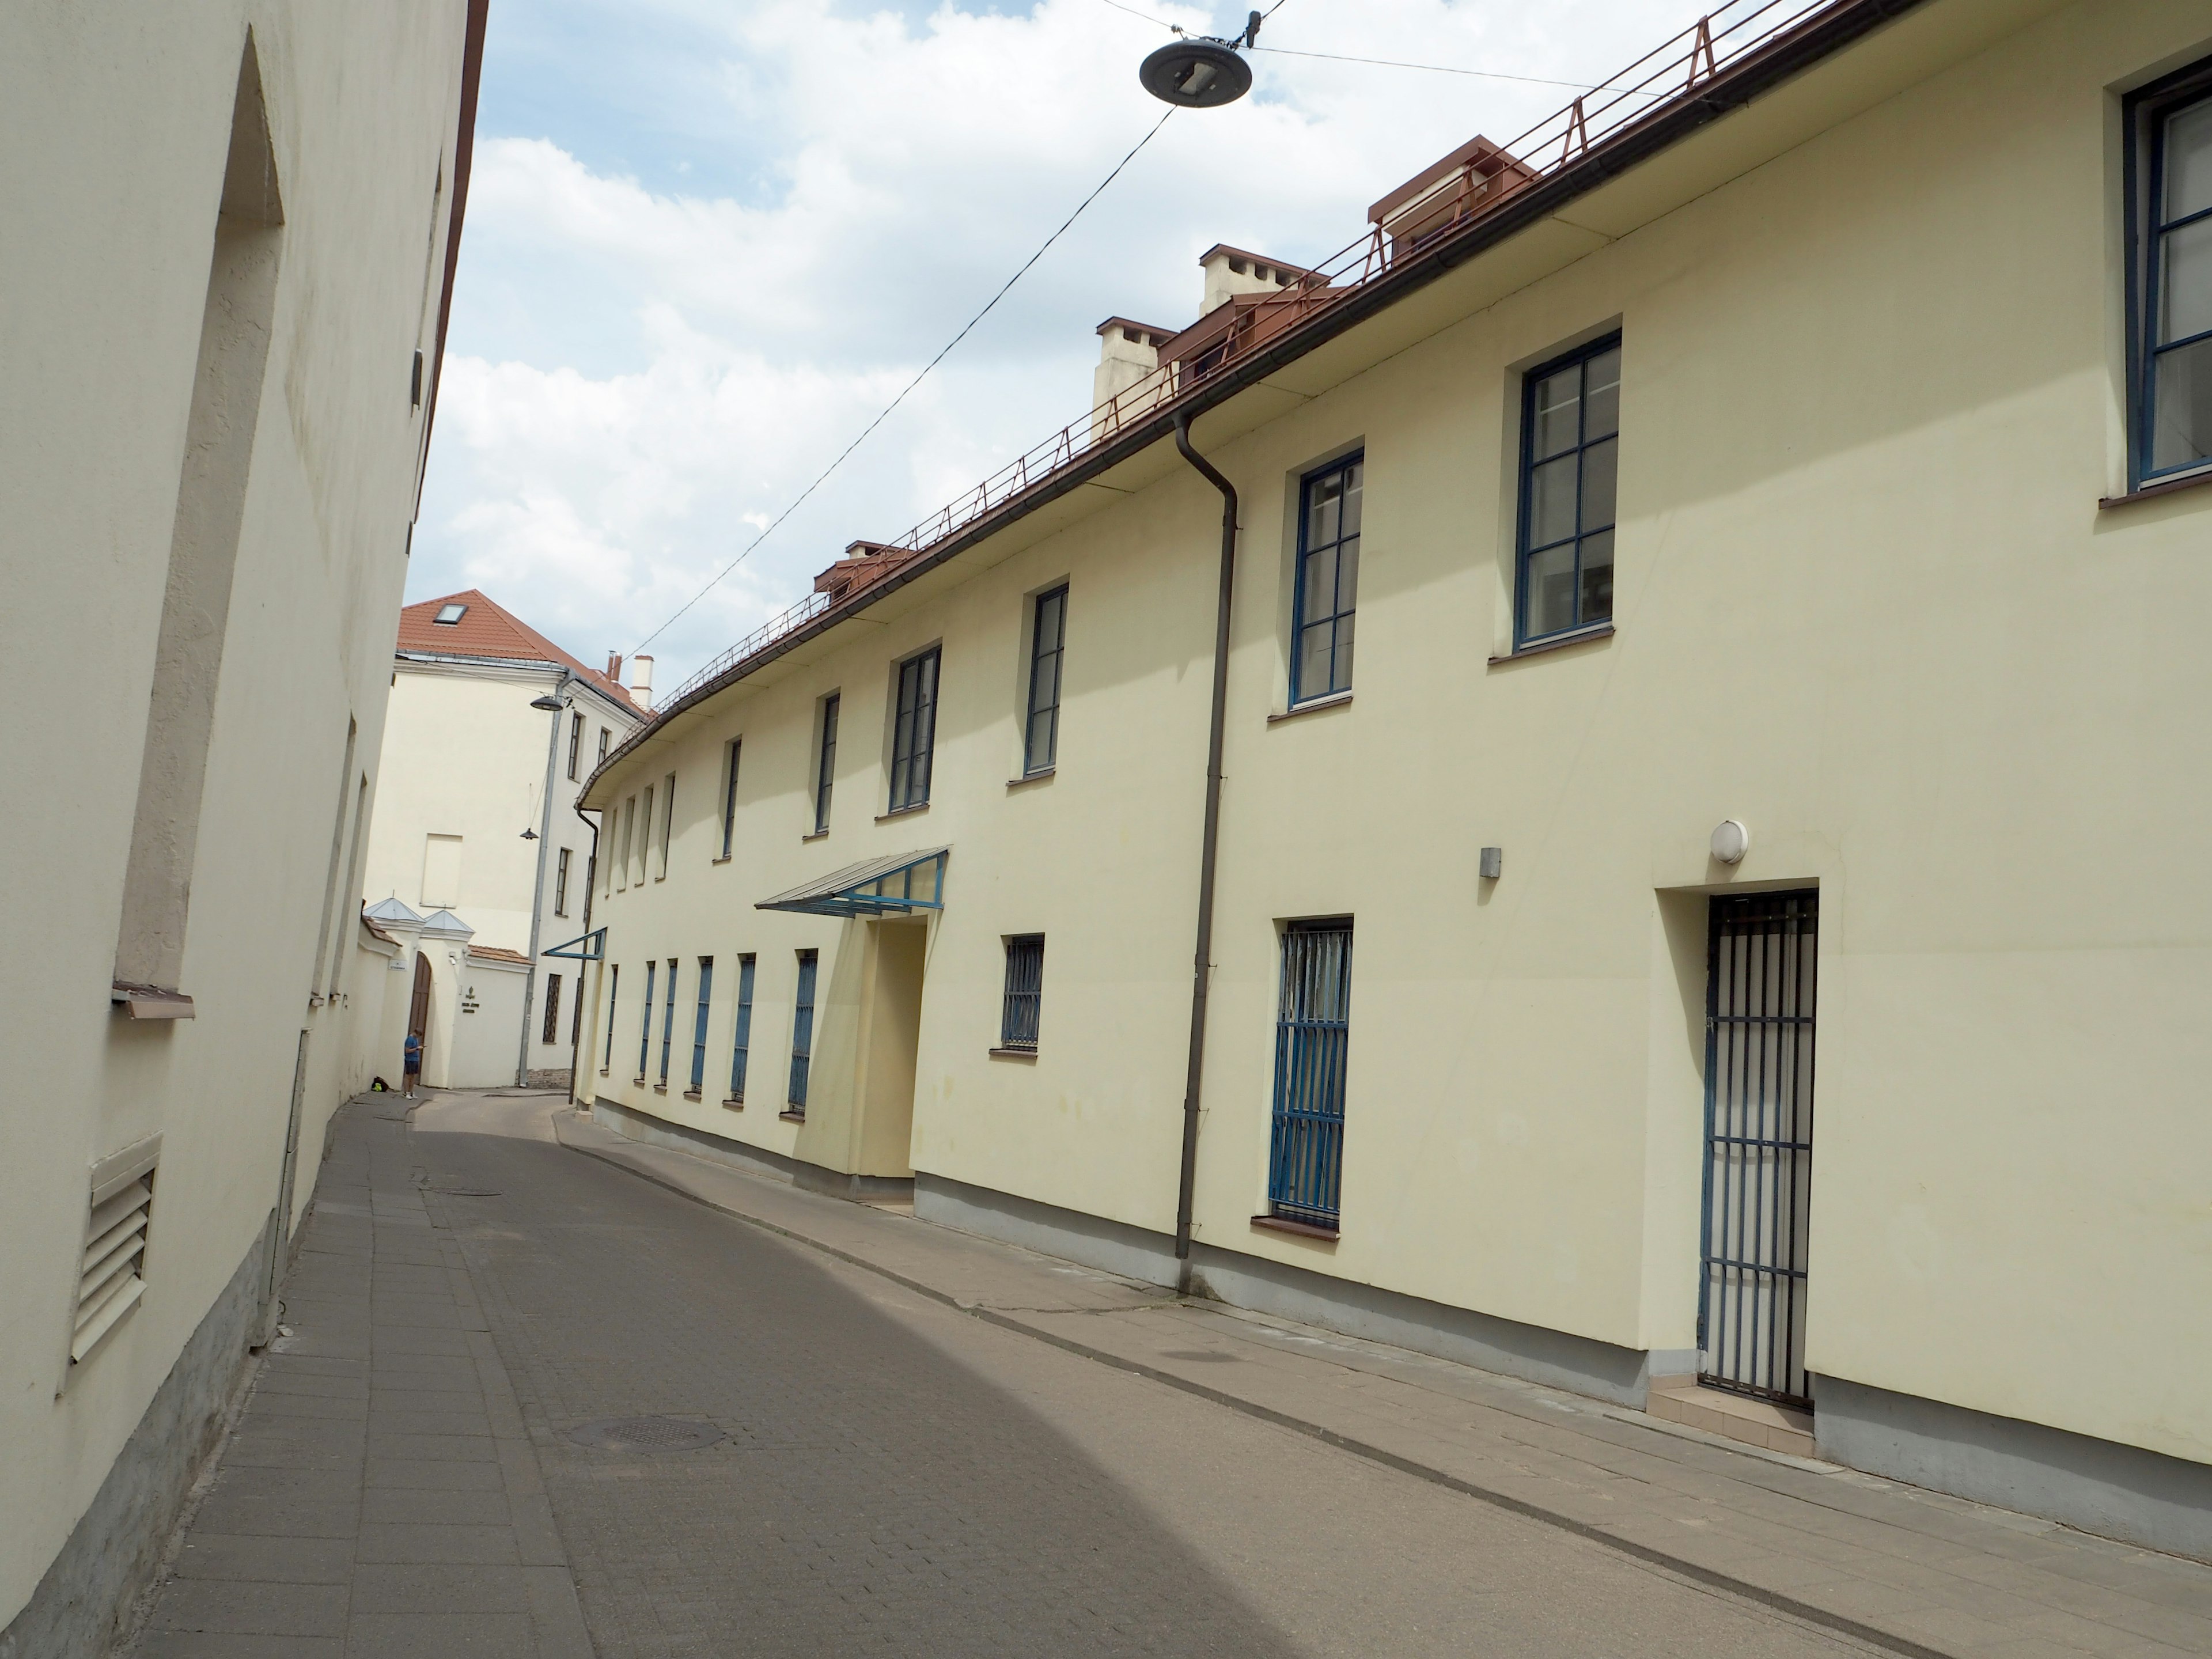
<point x="708" y="241"/>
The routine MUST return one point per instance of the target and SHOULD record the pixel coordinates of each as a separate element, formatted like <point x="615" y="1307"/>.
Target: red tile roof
<point x="485" y="629"/>
<point x="496" y="953"/>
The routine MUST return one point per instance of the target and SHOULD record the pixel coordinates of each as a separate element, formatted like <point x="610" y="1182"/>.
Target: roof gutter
<point x="1746" y="78"/>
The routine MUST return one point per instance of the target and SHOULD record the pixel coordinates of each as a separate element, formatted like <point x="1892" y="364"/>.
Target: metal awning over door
<point x="898" y="885"/>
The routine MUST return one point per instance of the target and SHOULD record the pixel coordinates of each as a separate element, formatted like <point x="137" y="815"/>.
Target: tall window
<point x="730" y="797"/>
<point x="645" y="1034"/>
<point x="1570" y="459"/>
<point x="1048" y="635"/>
<point x="552" y="1032"/>
<point x="668" y="1023"/>
<point x="825" y="763"/>
<point x="914" y="737"/>
<point x="2171" y="202"/>
<point x="614" y="989"/>
<point x="1313" y="1030"/>
<point x="1328" y="580"/>
<point x="560" y="883"/>
<point x="606" y="738"/>
<point x="575" y="745"/>
<point x="1018" y="1018"/>
<point x="629" y="831"/>
<point x="667" y="820"/>
<point x="576" y="1017"/>
<point x="802" y="1034"/>
<point x="699" y="1027"/>
<point x="741" y="1035"/>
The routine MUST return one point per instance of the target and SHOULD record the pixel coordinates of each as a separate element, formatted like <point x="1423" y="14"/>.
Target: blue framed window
<point x="730" y="797"/>
<point x="699" y="1029"/>
<point x="614" y="990"/>
<point x="802" y="1034"/>
<point x="741" y="1035"/>
<point x="2170" y="265"/>
<point x="914" y="735"/>
<point x="1570" y="465"/>
<point x="1025" y="996"/>
<point x="668" y="1023"/>
<point x="645" y="1036"/>
<point x="1329" y="579"/>
<point x="825" y="763"/>
<point x="1313" y="1039"/>
<point x="1047" y="638"/>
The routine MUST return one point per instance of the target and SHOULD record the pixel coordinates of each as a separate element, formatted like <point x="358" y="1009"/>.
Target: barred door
<point x="1313" y="1031"/>
<point x="1759" y="1001"/>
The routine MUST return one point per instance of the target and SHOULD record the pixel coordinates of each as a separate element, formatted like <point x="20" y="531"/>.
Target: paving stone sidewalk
<point x="1913" y="1571"/>
<point x="379" y="1495"/>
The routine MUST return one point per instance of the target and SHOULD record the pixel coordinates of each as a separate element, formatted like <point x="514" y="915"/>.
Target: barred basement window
<point x="802" y="1034"/>
<point x="741" y="1035"/>
<point x="1024" y="998"/>
<point x="552" y="1032"/>
<point x="668" y="1023"/>
<point x="111" y="1279"/>
<point x="1313" y="1032"/>
<point x="699" y="1026"/>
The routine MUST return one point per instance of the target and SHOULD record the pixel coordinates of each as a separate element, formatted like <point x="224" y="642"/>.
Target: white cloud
<point x="640" y="377"/>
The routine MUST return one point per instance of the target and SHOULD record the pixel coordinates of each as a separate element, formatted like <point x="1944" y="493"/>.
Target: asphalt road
<point x="899" y="1478"/>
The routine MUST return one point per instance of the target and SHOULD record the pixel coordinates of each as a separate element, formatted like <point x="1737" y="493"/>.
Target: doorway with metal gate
<point x="1761" y="993"/>
<point x="418" y="1008"/>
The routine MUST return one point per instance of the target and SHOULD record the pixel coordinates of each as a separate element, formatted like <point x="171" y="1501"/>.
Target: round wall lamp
<point x="1196" y="74"/>
<point x="1731" y="840"/>
<point x="548" y="703"/>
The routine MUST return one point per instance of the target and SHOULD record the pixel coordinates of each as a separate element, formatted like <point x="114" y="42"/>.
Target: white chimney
<point x="641" y="681"/>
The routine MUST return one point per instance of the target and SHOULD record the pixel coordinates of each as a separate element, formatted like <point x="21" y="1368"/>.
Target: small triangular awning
<point x="391" y="912"/>
<point x="892" y="886"/>
<point x="447" y="923"/>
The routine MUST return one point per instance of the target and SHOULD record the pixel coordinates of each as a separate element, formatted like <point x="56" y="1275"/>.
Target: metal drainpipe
<point x="1209" y="841"/>
<point x="591" y="885"/>
<point x="538" y="892"/>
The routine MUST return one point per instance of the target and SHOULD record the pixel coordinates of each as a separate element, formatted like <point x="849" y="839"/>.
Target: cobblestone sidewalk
<point x="1912" y="1572"/>
<point x="378" y="1497"/>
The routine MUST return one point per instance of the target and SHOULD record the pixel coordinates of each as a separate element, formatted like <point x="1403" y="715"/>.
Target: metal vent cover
<point x="645" y="1434"/>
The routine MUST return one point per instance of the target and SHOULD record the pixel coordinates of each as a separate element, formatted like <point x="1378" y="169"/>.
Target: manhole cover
<point x="466" y="1192"/>
<point x="645" y="1434"/>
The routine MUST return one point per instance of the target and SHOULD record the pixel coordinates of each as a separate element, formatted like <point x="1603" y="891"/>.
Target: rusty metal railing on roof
<point x="1659" y="81"/>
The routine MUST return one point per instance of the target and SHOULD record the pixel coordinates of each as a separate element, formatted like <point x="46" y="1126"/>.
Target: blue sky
<point x="707" y="242"/>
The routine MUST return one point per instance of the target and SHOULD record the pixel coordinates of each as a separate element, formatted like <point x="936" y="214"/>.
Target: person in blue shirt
<point x="414" y="1061"/>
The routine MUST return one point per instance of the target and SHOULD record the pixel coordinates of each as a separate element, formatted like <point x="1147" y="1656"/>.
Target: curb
<point x="1713" y="1578"/>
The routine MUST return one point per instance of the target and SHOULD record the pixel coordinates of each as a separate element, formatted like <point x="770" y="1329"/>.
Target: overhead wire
<point x="1447" y="69"/>
<point x="823" y="477"/>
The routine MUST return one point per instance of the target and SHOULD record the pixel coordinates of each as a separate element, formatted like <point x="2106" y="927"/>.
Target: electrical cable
<point x="1445" y="68"/>
<point x="823" y="477"/>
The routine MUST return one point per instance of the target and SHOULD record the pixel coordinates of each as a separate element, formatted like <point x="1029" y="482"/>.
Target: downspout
<point x="1208" y="844"/>
<point x="591" y="888"/>
<point x="537" y="891"/>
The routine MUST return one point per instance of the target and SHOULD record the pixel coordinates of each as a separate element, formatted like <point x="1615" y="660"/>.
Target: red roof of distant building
<point x="496" y="953"/>
<point x="485" y="629"/>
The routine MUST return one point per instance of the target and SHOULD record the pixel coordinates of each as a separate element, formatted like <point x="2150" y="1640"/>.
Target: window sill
<point x="1028" y="1055"/>
<point x="819" y="834"/>
<point x="1276" y="1224"/>
<point x="660" y="1088"/>
<point x="725" y="859"/>
<point x="1028" y="777"/>
<point x="690" y="1094"/>
<point x="151" y="1001"/>
<point x="790" y="1117"/>
<point x="1557" y="642"/>
<point x="603" y="1071"/>
<point x="2153" y="491"/>
<point x="1312" y="706"/>
<point x="734" y="1105"/>
<point x="919" y="806"/>
<point x="638" y="1082"/>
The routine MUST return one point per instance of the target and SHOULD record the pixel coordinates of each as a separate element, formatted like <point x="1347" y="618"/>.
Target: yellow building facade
<point x="1832" y="860"/>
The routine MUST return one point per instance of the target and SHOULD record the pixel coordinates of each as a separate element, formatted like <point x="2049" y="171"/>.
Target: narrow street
<point x="893" y="1475"/>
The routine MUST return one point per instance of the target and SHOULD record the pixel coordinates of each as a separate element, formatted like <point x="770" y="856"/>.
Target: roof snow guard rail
<point x="1658" y="85"/>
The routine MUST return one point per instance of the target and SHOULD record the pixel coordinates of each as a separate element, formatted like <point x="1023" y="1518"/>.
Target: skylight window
<point x="450" y="614"/>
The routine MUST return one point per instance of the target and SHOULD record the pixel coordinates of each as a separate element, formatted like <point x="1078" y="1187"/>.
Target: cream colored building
<point x="477" y="859"/>
<point x="231" y="230"/>
<point x="1778" y="566"/>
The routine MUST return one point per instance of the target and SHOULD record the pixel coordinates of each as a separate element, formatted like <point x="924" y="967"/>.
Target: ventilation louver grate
<point x="113" y="1277"/>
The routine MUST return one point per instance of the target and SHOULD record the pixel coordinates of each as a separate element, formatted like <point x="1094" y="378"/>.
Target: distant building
<point x="476" y="859"/>
<point x="1773" y="514"/>
<point x="230" y="245"/>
